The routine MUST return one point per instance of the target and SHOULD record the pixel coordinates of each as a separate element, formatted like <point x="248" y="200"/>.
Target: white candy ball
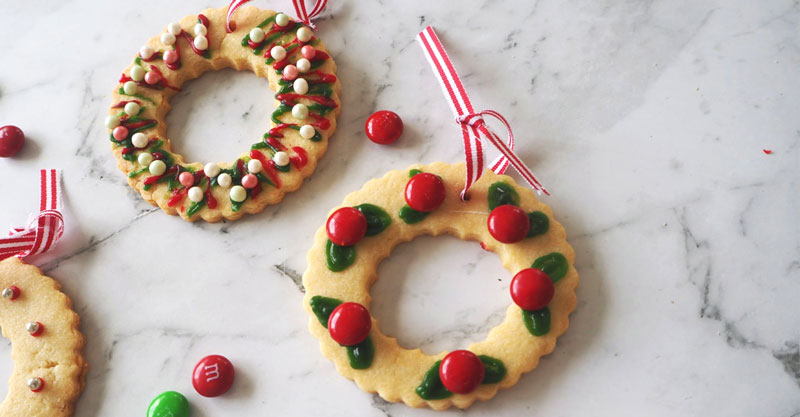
<point x="167" y="38"/>
<point x="196" y="194"/>
<point x="200" y="29"/>
<point x="201" y="43"/>
<point x="303" y="65"/>
<point x="254" y="166"/>
<point x="145" y="158"/>
<point x="112" y="121"/>
<point x="137" y="73"/>
<point x="256" y="35"/>
<point x="132" y="108"/>
<point x="307" y="131"/>
<point x="224" y="180"/>
<point x="300" y="86"/>
<point x="281" y="19"/>
<point x="300" y="111"/>
<point x="238" y="193"/>
<point x="304" y="34"/>
<point x="211" y="170"/>
<point x="157" y="167"/>
<point x="139" y="140"/>
<point x="146" y="51"/>
<point x="278" y="52"/>
<point x="281" y="159"/>
<point x="129" y="88"/>
<point x="174" y="28"/>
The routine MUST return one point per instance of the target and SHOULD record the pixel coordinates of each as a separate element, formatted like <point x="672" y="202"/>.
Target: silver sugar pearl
<point x="8" y="293"/>
<point x="35" y="384"/>
<point x="32" y="327"/>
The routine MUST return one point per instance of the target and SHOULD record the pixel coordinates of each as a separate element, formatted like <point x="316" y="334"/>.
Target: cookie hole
<point x="440" y="294"/>
<point x="238" y="102"/>
<point x="6" y="366"/>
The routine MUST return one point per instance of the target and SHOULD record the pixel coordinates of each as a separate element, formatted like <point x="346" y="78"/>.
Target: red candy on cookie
<point x="384" y="127"/>
<point x="508" y="224"/>
<point x="349" y="324"/>
<point x="11" y="141"/>
<point x="346" y="226"/>
<point x="531" y="289"/>
<point x="213" y="376"/>
<point x="461" y="371"/>
<point x="425" y="192"/>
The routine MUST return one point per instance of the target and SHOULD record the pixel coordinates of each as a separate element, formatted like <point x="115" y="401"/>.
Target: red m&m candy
<point x="383" y="127"/>
<point x="425" y="192"/>
<point x="213" y="376"/>
<point x="508" y="224"/>
<point x="346" y="226"/>
<point x="11" y="140"/>
<point x="349" y="324"/>
<point x="531" y="289"/>
<point x="461" y="371"/>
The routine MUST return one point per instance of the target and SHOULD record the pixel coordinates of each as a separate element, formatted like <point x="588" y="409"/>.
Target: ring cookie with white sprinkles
<point x="270" y="44"/>
<point x="46" y="345"/>
<point x="425" y="200"/>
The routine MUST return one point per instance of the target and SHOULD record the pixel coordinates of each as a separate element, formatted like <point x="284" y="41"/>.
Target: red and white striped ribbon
<point x="473" y="124"/>
<point x="44" y="228"/>
<point x="299" y="6"/>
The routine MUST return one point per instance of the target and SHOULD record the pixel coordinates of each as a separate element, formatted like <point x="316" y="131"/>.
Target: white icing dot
<point x="224" y="180"/>
<point x="256" y="35"/>
<point x="300" y="111"/>
<point x="145" y="158"/>
<point x="174" y="28"/>
<point x="157" y="167"/>
<point x="304" y="34"/>
<point x="200" y="29"/>
<point x="139" y="140"/>
<point x="238" y="193"/>
<point x="278" y="52"/>
<point x="303" y="65"/>
<point x="211" y="170"/>
<point x="307" y="131"/>
<point x="196" y="194"/>
<point x="300" y="86"/>
<point x="132" y="108"/>
<point x="281" y="19"/>
<point x="129" y="88"/>
<point x="201" y="43"/>
<point x="254" y="166"/>
<point x="146" y="51"/>
<point x="137" y="73"/>
<point x="281" y="159"/>
<point x="112" y="121"/>
<point x="167" y="38"/>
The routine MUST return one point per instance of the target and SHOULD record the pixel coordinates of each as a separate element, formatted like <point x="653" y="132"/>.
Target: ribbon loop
<point x="44" y="228"/>
<point x="473" y="125"/>
<point x="299" y="7"/>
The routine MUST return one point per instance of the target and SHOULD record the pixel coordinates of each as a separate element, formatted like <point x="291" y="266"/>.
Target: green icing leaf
<point x="539" y="223"/>
<point x="495" y="370"/>
<point x="361" y="355"/>
<point x="134" y="174"/>
<point x="501" y="193"/>
<point x="195" y="207"/>
<point x="377" y="218"/>
<point x="431" y="387"/>
<point x="339" y="257"/>
<point x="411" y="216"/>
<point x="414" y="172"/>
<point x="554" y="265"/>
<point x="537" y="322"/>
<point x="323" y="307"/>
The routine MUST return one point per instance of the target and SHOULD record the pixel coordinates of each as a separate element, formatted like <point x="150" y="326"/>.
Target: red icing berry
<point x="349" y="324"/>
<point x="213" y="376"/>
<point x="346" y="226"/>
<point x="11" y="140"/>
<point x="461" y="371"/>
<point x="425" y="192"/>
<point x="384" y="127"/>
<point x="508" y="224"/>
<point x="531" y="289"/>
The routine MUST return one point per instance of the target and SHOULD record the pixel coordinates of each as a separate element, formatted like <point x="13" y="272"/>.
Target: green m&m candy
<point x="169" y="404"/>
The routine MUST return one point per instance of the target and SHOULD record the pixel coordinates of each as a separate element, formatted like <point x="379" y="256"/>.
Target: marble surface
<point x="645" y="118"/>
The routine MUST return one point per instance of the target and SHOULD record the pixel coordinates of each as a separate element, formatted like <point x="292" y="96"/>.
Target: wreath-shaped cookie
<point x="342" y="266"/>
<point x="46" y="345"/>
<point x="271" y="45"/>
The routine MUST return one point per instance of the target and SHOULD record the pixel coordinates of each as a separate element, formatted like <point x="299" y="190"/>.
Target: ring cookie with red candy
<point x="507" y="219"/>
<point x="270" y="44"/>
<point x="46" y="345"/>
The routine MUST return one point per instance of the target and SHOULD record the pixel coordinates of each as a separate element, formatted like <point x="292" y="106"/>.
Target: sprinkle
<point x="767" y="151"/>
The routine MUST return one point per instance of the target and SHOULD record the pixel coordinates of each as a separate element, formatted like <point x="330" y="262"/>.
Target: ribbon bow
<point x="44" y="228"/>
<point x="473" y="124"/>
<point x="299" y="6"/>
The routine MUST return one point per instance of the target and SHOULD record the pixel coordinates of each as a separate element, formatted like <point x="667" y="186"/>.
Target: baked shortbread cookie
<point x="271" y="45"/>
<point x="46" y="344"/>
<point x="340" y="275"/>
